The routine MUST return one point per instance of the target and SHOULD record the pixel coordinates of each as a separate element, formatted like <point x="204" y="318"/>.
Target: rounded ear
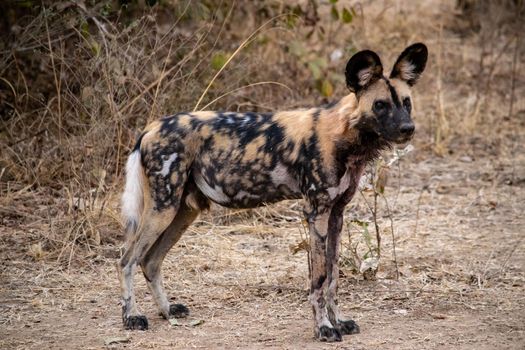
<point x="410" y="64"/>
<point x="363" y="69"/>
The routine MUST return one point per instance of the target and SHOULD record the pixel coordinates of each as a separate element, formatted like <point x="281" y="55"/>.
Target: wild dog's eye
<point x="407" y="104"/>
<point x="381" y="106"/>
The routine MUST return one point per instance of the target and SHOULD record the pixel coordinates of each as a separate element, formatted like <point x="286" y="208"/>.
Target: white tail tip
<point x="133" y="196"/>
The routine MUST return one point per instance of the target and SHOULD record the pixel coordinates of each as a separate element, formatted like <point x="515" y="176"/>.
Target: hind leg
<point x="152" y="262"/>
<point x="153" y="224"/>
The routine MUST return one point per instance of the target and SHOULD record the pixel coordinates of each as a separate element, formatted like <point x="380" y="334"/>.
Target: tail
<point x="133" y="196"/>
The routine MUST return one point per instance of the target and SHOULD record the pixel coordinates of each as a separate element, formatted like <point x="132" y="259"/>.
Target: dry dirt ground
<point x="460" y="250"/>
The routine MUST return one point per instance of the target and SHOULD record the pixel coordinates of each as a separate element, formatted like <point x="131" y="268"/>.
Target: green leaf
<point x="346" y="16"/>
<point x="368" y="239"/>
<point x="337" y="78"/>
<point x="26" y="4"/>
<point x="316" y="66"/>
<point x="105" y="10"/>
<point x="296" y="48"/>
<point x="204" y="11"/>
<point x="263" y="40"/>
<point x="95" y="47"/>
<point x="315" y="69"/>
<point x="333" y="1"/>
<point x="321" y="62"/>
<point x="174" y="322"/>
<point x="84" y="29"/>
<point x="327" y="89"/>
<point x="334" y="13"/>
<point x="219" y="60"/>
<point x="291" y="21"/>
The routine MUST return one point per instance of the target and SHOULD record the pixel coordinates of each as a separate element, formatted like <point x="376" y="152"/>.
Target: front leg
<point x="335" y="224"/>
<point x="318" y="226"/>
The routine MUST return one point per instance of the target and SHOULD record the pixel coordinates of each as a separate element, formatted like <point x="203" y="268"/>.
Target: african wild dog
<point x="242" y="160"/>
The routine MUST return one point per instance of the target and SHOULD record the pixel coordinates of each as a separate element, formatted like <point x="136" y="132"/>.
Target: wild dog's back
<point x="243" y="160"/>
<point x="237" y="159"/>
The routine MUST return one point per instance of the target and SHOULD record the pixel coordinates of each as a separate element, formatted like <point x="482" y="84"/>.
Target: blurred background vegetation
<point x="79" y="79"/>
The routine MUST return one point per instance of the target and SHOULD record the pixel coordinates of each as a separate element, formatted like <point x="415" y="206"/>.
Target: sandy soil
<point x="461" y="286"/>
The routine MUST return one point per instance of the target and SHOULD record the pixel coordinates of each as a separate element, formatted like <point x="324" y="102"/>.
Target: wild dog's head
<point x="384" y="104"/>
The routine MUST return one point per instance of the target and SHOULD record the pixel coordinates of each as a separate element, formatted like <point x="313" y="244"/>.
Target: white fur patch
<point x="364" y="76"/>
<point x="321" y="315"/>
<point x="243" y="194"/>
<point x="407" y="70"/>
<point x="214" y="193"/>
<point x="133" y="196"/>
<point x="344" y="183"/>
<point x="246" y="120"/>
<point x="281" y="176"/>
<point x="166" y="164"/>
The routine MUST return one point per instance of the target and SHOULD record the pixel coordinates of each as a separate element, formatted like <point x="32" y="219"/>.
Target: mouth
<point x="403" y="139"/>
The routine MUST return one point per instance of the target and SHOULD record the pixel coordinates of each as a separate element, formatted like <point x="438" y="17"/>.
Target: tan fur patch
<point x="251" y="150"/>
<point x="377" y="91"/>
<point x="205" y="131"/>
<point x="402" y="88"/>
<point x="174" y="177"/>
<point x="191" y="144"/>
<point x="184" y="120"/>
<point x="151" y="135"/>
<point x="336" y="124"/>
<point x="153" y="126"/>
<point x="191" y="201"/>
<point x="328" y="128"/>
<point x="223" y="141"/>
<point x="163" y="217"/>
<point x="298" y="126"/>
<point x="204" y="115"/>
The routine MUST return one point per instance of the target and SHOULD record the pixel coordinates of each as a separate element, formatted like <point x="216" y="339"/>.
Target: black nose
<point x="407" y="129"/>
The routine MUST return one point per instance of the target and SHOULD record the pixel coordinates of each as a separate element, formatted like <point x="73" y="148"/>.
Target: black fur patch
<point x="179" y="310"/>
<point x="393" y="92"/>
<point x="137" y="144"/>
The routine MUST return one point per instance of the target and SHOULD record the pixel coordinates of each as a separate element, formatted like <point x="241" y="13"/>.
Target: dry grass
<point x="77" y="85"/>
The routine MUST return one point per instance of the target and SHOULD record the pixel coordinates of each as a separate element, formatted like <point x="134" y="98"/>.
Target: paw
<point x="179" y="311"/>
<point x="135" y="322"/>
<point x="329" y="334"/>
<point x="347" y="327"/>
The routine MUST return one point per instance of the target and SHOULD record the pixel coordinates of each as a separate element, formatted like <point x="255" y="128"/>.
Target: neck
<point x="338" y="120"/>
<point x="340" y="124"/>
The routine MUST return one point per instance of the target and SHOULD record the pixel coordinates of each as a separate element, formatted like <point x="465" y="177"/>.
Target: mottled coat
<point x="183" y="162"/>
